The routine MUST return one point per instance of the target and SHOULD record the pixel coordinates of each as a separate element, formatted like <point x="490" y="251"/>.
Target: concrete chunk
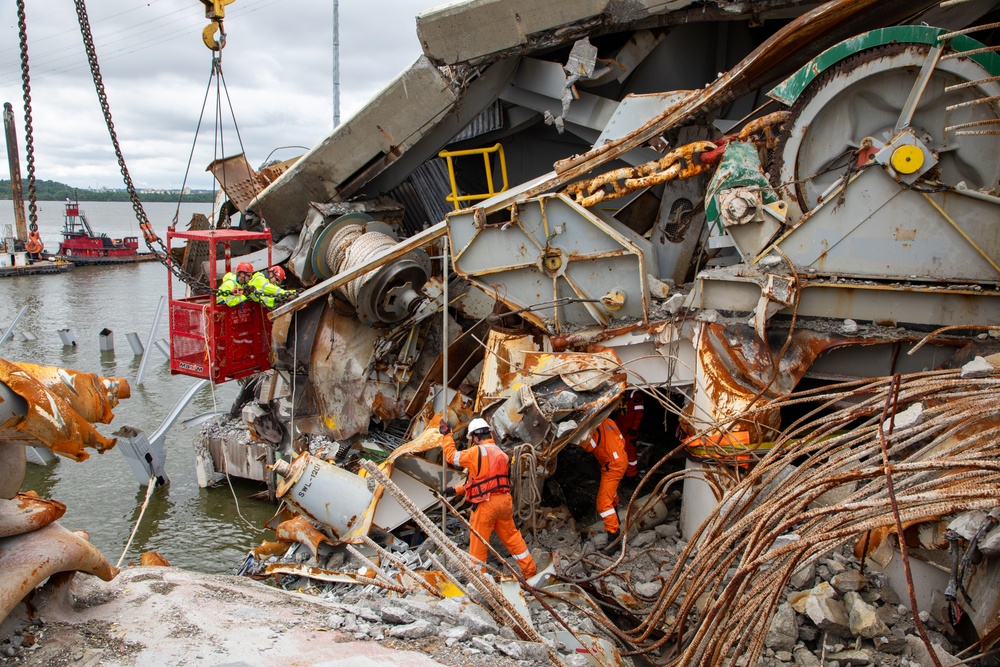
<point x="923" y="657"/>
<point x="967" y="524"/>
<point x="990" y="544"/>
<point x="458" y="633"/>
<point x="478" y="621"/>
<point x="828" y="614"/>
<point x="415" y="630"/>
<point x="484" y="645"/>
<point x="396" y="615"/>
<point x="804" y="658"/>
<point x="849" y="580"/>
<point x="803" y="577"/>
<point x="978" y="368"/>
<point x="784" y="630"/>
<point x="864" y="620"/>
<point x="649" y="589"/>
<point x="520" y="650"/>
<point x="852" y="657"/>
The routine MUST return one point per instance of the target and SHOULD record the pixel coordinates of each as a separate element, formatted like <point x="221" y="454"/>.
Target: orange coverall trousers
<point x="608" y="447"/>
<point x="497" y="514"/>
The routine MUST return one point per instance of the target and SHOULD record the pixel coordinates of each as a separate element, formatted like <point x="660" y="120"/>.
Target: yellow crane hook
<point x="216" y="11"/>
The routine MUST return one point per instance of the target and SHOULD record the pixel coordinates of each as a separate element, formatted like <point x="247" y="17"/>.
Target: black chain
<point x="147" y="229"/>
<point x="29" y="146"/>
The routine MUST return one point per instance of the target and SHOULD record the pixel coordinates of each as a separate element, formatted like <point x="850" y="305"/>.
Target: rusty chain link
<point x="29" y="146"/>
<point x="148" y="234"/>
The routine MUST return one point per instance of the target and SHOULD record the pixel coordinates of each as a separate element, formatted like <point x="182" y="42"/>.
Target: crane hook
<point x="216" y="11"/>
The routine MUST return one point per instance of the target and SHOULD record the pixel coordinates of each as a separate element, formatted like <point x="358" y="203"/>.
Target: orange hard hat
<point x="244" y="267"/>
<point x="278" y="272"/>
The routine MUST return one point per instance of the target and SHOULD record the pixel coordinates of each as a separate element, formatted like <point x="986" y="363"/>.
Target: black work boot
<point x="612" y="546"/>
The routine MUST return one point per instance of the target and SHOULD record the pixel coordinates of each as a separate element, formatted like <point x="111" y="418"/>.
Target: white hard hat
<point x="478" y="424"/>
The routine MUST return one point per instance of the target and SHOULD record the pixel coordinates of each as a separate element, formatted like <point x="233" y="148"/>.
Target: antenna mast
<point x="336" y="63"/>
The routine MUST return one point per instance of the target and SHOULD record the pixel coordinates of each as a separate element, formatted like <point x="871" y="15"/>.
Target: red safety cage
<point x="215" y="341"/>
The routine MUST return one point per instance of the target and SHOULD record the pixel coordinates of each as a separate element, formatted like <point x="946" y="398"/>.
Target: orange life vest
<point x="607" y="445"/>
<point x="494" y="477"/>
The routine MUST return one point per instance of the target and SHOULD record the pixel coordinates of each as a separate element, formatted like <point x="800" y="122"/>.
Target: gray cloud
<point x="277" y="65"/>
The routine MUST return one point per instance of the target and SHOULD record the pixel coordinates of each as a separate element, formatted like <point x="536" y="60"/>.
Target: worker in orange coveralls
<point x="627" y="418"/>
<point x="488" y="488"/>
<point x="608" y="447"/>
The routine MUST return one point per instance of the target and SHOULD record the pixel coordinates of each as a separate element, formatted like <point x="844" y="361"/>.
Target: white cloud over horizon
<point x="277" y="65"/>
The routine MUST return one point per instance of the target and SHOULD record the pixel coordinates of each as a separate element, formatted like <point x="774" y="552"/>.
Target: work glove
<point x="449" y="492"/>
<point x="444" y="429"/>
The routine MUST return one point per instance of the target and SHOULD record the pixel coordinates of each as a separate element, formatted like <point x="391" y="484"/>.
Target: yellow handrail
<point x="454" y="197"/>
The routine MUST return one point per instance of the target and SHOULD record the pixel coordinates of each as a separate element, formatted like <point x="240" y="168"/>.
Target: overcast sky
<point x="277" y="63"/>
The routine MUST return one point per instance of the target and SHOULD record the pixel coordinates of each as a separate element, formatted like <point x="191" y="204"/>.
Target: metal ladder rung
<point x="975" y="123"/>
<point x="966" y="31"/>
<point x="981" y="100"/>
<point x="969" y="133"/>
<point x="970" y="84"/>
<point x="970" y="52"/>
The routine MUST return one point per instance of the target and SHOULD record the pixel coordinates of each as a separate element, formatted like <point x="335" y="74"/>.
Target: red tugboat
<point x="82" y="247"/>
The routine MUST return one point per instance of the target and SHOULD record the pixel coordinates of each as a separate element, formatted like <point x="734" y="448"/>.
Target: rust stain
<point x="301" y="530"/>
<point x="153" y="559"/>
<point x="268" y="549"/>
<point x="63" y="404"/>
<point x="738" y="369"/>
<point x="28" y="512"/>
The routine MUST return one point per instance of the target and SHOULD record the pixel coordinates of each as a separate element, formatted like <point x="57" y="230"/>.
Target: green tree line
<point x="55" y="191"/>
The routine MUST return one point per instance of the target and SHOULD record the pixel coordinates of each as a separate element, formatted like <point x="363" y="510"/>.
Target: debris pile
<point x="799" y="563"/>
<point x="53" y="409"/>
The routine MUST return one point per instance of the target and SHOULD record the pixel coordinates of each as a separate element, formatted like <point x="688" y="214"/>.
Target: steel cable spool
<point x="351" y="247"/>
<point x="339" y="243"/>
<point x="384" y="295"/>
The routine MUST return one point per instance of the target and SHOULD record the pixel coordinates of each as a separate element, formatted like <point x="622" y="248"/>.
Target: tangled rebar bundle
<point x="717" y="604"/>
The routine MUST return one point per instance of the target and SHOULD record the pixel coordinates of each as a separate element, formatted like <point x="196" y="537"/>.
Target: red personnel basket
<point x="215" y="341"/>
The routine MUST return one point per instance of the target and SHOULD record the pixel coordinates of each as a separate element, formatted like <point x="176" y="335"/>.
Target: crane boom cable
<point x="29" y="146"/>
<point x="149" y="236"/>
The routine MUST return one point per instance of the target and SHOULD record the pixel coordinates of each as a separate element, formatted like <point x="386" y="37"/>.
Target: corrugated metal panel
<point x="490" y="120"/>
<point x="423" y="195"/>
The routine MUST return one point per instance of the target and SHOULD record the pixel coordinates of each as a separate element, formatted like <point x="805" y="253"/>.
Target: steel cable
<point x="727" y="582"/>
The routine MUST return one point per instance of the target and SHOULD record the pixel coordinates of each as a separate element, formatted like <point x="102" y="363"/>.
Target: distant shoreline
<point x="54" y="191"/>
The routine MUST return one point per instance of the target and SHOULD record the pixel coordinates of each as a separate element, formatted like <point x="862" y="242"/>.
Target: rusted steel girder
<point x="27" y="512"/>
<point x="61" y="407"/>
<point x="28" y="560"/>
<point x="783" y="52"/>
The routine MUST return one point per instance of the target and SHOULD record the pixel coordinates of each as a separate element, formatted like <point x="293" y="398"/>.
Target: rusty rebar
<point x="945" y="463"/>
<point x="398" y="562"/>
<point x="491" y="594"/>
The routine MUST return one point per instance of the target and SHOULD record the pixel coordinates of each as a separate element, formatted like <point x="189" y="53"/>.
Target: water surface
<point x="199" y="529"/>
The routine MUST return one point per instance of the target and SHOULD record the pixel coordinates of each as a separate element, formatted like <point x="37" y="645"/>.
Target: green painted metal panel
<point x="790" y="89"/>
<point x="740" y="167"/>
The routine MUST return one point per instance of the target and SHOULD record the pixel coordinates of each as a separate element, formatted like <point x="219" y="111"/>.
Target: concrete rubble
<point x="782" y="247"/>
<point x="761" y="236"/>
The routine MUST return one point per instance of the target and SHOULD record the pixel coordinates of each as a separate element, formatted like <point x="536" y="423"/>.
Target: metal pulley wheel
<point x="888" y="159"/>
<point x="864" y="96"/>
<point x="385" y="295"/>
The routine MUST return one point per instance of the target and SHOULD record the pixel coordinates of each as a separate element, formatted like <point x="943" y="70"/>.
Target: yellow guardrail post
<point x="457" y="199"/>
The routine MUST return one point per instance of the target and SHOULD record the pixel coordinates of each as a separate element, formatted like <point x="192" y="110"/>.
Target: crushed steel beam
<point x="29" y="559"/>
<point x="62" y="406"/>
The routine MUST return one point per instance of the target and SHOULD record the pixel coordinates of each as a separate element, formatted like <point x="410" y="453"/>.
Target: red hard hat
<point x="278" y="272"/>
<point x="244" y="267"/>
